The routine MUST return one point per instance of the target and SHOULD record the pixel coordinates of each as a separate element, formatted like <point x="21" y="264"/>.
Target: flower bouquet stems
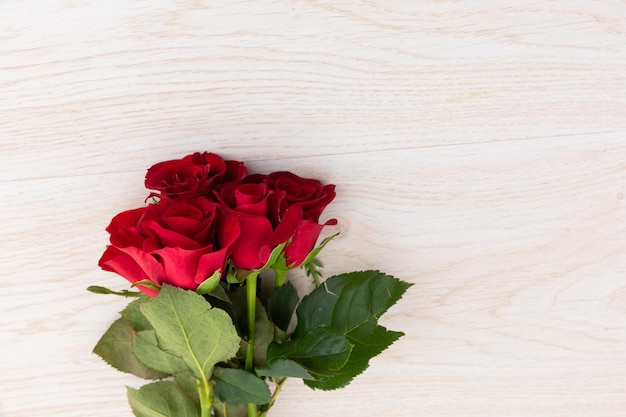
<point x="202" y="327"/>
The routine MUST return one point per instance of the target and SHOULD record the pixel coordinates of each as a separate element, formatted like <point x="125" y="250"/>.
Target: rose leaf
<point x="162" y="399"/>
<point x="281" y="305"/>
<point x="188" y="327"/>
<point x="148" y="352"/>
<point x="133" y="314"/>
<point x="317" y="353"/>
<point x="115" y="347"/>
<point x="237" y="387"/>
<point x="351" y="304"/>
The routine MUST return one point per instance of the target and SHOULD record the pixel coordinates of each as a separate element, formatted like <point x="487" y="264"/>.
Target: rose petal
<point x="304" y="241"/>
<point x="180" y="266"/>
<point x="255" y="231"/>
<point x="114" y="260"/>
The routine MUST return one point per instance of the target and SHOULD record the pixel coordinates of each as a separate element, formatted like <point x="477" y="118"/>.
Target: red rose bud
<point x="303" y="241"/>
<point x="172" y="242"/>
<point x="198" y="174"/>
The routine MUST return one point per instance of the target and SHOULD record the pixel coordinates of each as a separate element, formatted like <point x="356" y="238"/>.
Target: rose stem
<point x="281" y="277"/>
<point x="251" y="301"/>
<point x="206" y="397"/>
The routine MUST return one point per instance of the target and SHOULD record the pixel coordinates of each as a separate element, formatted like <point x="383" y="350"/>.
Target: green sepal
<point x="312" y="270"/>
<point x="209" y="284"/>
<point x="238" y="387"/>
<point x="146" y="283"/>
<point x="315" y="251"/>
<point x="97" y="289"/>
<point x="162" y="399"/>
<point x="273" y="258"/>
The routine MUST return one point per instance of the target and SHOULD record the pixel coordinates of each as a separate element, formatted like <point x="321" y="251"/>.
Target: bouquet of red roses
<point x="203" y="323"/>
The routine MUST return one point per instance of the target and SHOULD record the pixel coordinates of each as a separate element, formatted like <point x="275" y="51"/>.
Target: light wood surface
<point x="478" y="148"/>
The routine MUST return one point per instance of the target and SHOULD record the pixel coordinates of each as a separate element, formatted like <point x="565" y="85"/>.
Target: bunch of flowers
<point x="203" y="324"/>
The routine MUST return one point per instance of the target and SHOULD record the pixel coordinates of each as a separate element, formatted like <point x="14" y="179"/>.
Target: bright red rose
<point x="257" y="209"/>
<point x="174" y="242"/>
<point x="303" y="197"/>
<point x="194" y="175"/>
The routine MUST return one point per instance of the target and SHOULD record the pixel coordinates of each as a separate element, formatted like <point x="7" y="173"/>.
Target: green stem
<point x="279" y="386"/>
<point x="251" y="283"/>
<point x="206" y="397"/>
<point x="251" y="303"/>
<point x="281" y="277"/>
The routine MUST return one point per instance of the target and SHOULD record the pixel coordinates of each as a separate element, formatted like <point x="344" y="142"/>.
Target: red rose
<point x="194" y="175"/>
<point x="310" y="194"/>
<point x="262" y="227"/>
<point x="299" y="195"/>
<point x="172" y="242"/>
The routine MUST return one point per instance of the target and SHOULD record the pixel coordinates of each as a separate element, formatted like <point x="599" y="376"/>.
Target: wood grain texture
<point x="479" y="151"/>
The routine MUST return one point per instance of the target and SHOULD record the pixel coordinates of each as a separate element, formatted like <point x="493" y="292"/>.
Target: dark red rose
<point x="174" y="242"/>
<point x="256" y="208"/>
<point x="299" y="196"/>
<point x="310" y="194"/>
<point x="194" y="175"/>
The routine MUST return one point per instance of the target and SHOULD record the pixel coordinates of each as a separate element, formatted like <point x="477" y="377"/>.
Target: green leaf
<point x="320" y="352"/>
<point x="133" y="314"/>
<point x="220" y="293"/>
<point x="188" y="384"/>
<point x="115" y="347"/>
<point x="282" y="304"/>
<point x="148" y="352"/>
<point x="161" y="399"/>
<point x="346" y="301"/>
<point x="351" y="304"/>
<point x="283" y="368"/>
<point x="210" y="283"/>
<point x="238" y="387"/>
<point x="359" y="359"/>
<point x="188" y="327"/>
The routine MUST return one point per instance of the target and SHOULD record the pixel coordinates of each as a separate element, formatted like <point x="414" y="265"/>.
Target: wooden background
<point x="478" y="148"/>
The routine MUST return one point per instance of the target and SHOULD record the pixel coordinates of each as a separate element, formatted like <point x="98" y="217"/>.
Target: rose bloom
<point x="254" y="206"/>
<point x="194" y="175"/>
<point x="174" y="242"/>
<point x="291" y="204"/>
